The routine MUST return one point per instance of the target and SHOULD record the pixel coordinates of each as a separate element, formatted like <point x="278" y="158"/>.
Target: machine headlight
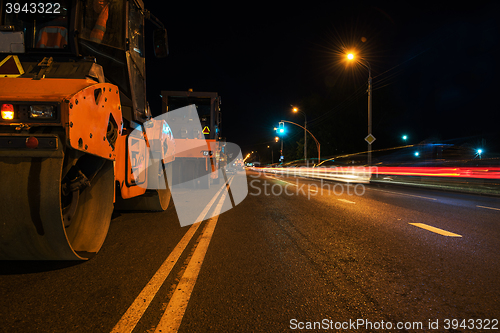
<point x="42" y="112"/>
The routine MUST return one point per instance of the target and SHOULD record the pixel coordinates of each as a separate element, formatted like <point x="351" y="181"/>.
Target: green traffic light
<point x="281" y="127"/>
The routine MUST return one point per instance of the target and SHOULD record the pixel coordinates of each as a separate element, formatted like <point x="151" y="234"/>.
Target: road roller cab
<point x="72" y="91"/>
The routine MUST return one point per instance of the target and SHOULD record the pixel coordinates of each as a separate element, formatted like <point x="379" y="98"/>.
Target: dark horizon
<point x="433" y="71"/>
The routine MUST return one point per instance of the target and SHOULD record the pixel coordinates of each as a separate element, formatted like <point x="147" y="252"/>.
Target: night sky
<point x="435" y="70"/>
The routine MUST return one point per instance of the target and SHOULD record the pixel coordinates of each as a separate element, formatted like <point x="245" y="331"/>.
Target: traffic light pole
<point x="281" y="131"/>
<point x="305" y="129"/>
<point x="281" y="151"/>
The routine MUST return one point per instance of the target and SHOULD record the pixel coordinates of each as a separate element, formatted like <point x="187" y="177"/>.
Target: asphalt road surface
<point x="296" y="255"/>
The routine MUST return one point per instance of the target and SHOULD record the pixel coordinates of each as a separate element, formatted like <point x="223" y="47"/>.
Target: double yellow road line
<point x="172" y="317"/>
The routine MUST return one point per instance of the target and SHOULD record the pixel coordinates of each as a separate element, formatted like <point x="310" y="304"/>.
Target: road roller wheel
<point x="87" y="217"/>
<point x="49" y="215"/>
<point x="156" y="200"/>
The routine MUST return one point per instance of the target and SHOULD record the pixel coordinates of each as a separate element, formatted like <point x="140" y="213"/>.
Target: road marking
<point x="488" y="207"/>
<point x="207" y="207"/>
<point x="135" y="312"/>
<point x="284" y="181"/>
<point x="436" y="230"/>
<point x="293" y="184"/>
<point x="344" y="200"/>
<point x="410" y="195"/>
<point x="172" y="317"/>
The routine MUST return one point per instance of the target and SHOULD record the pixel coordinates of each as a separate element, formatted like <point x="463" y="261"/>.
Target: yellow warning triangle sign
<point x="206" y="130"/>
<point x="11" y="67"/>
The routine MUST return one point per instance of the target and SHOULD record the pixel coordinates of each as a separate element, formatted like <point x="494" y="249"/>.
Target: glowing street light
<point x="405" y="137"/>
<point x="350" y="56"/>
<point x="479" y="152"/>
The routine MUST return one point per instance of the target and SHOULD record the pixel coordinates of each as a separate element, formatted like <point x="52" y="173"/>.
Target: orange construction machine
<point x="196" y="164"/>
<point x="73" y="125"/>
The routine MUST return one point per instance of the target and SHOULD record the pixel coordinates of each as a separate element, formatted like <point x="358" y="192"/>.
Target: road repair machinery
<point x="76" y="133"/>
<point x="198" y="149"/>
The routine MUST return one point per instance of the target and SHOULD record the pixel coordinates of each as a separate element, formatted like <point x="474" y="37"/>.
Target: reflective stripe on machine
<point x="52" y="37"/>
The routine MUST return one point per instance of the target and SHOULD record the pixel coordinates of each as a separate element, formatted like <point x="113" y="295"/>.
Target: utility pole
<point x="369" y="112"/>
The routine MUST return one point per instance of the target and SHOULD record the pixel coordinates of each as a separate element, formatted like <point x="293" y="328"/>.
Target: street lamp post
<point x="272" y="154"/>
<point x="365" y="63"/>
<point x="369" y="112"/>
<point x="295" y="109"/>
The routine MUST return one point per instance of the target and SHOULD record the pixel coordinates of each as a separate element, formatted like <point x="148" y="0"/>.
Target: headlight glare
<point x="42" y="112"/>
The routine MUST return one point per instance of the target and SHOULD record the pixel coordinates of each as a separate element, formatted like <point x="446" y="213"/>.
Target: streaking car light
<point x="363" y="174"/>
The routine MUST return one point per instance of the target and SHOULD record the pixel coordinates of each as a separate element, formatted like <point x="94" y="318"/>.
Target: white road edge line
<point x="284" y="181"/>
<point x="410" y="195"/>
<point x="344" y="200"/>
<point x="436" y="230"/>
<point x="172" y="317"/>
<point x="136" y="310"/>
<point x="488" y="207"/>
